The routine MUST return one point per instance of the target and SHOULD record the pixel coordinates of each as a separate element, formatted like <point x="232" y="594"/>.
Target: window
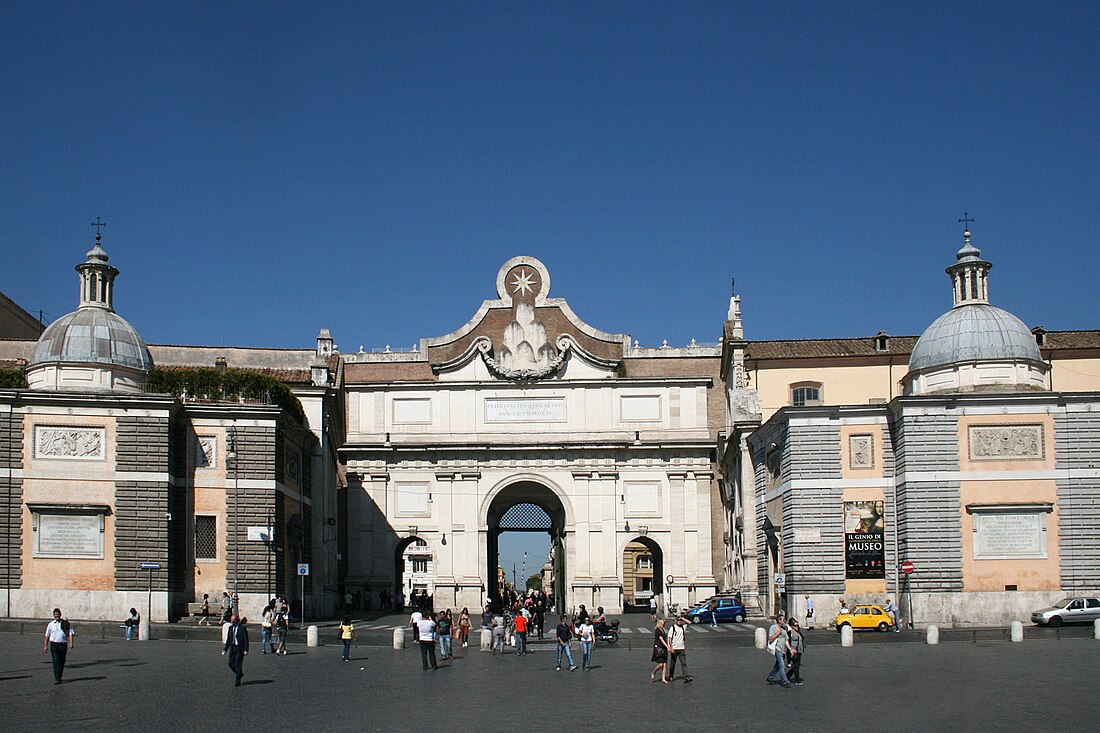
<point x="206" y="537"/>
<point x="805" y="395"/>
<point x="645" y="562"/>
<point x="1077" y="605"/>
<point x="1092" y="602"/>
<point x="643" y="584"/>
<point x="420" y="566"/>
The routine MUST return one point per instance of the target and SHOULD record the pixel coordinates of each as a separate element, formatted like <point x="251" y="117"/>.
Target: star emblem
<point x="523" y="282"/>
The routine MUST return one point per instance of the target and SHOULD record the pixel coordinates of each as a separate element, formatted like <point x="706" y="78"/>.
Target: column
<point x="705" y="583"/>
<point x="746" y="519"/>
<point x="676" y="562"/>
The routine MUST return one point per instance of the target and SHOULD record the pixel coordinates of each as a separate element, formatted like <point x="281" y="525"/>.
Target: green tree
<point x="534" y="582"/>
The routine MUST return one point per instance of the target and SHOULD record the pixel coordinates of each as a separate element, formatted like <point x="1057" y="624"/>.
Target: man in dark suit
<point x="236" y="644"/>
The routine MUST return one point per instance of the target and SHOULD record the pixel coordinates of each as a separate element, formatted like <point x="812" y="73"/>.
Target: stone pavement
<point x="111" y="684"/>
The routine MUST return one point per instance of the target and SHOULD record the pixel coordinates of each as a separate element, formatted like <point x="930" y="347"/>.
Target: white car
<point x="1068" y="611"/>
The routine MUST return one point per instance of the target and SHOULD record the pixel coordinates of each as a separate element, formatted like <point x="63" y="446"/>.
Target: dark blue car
<point x="728" y="610"/>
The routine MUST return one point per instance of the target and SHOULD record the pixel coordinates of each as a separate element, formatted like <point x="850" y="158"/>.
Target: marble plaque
<point x="525" y="409"/>
<point x="640" y="408"/>
<point x="642" y="497"/>
<point x="417" y="410"/>
<point x="69" y="535"/>
<point x="1004" y="535"/>
<point x="412" y="498"/>
<point x="1006" y="442"/>
<point x="206" y="451"/>
<point x="807" y="535"/>
<point x="69" y="443"/>
<point x="861" y="451"/>
<point x="293" y="466"/>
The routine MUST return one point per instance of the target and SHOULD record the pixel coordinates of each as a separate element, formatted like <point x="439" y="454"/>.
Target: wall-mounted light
<point x="387" y="442"/>
<point x="444" y="540"/>
<point x="331" y="521"/>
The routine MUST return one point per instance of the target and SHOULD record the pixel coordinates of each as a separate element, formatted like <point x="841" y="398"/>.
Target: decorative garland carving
<point x="485" y="347"/>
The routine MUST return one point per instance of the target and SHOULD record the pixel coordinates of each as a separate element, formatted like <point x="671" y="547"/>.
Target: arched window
<point x="806" y="394"/>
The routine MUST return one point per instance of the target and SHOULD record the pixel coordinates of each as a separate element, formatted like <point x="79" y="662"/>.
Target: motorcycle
<point x="608" y="633"/>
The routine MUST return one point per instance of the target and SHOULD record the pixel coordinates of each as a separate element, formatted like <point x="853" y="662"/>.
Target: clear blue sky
<point x="266" y="169"/>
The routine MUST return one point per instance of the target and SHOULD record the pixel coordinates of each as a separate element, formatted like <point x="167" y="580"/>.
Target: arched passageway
<point x="526" y="507"/>
<point x="643" y="574"/>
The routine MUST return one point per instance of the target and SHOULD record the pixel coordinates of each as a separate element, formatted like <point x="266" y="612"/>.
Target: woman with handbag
<point x="660" y="652"/>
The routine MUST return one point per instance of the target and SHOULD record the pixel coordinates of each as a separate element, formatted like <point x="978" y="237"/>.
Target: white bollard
<point x="1017" y="631"/>
<point x="399" y="638"/>
<point x="143" y="629"/>
<point x="847" y="636"/>
<point x="311" y="636"/>
<point x="933" y="636"/>
<point x="1096" y="629"/>
<point x="761" y="638"/>
<point x="486" y="640"/>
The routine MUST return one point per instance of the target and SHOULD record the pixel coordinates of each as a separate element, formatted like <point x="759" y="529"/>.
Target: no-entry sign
<point x="908" y="567"/>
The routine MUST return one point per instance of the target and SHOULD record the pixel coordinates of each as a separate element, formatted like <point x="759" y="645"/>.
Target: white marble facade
<point x="608" y="456"/>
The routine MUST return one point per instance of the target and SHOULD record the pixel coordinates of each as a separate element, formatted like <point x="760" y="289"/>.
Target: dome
<point x="974" y="332"/>
<point x="92" y="336"/>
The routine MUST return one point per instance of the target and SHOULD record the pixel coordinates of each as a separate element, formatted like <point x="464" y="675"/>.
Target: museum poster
<point x="864" y="541"/>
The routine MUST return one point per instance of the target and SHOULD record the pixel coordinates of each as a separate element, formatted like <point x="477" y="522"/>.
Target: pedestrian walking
<point x="347" y="635"/>
<point x="660" y="652"/>
<point x="464" y="624"/>
<point x="237" y="646"/>
<point x="267" y="621"/>
<point x="282" y="628"/>
<point x="797" y="645"/>
<point x="653" y="608"/>
<point x="809" y="612"/>
<point x="426" y="638"/>
<point x="443" y="628"/>
<point x="519" y="626"/>
<point x="565" y="635"/>
<point x="349" y="601"/>
<point x="677" y="649"/>
<point x="132" y="623"/>
<point x="204" y="610"/>
<point x="892" y="609"/>
<point x="58" y="641"/>
<point x="777" y="646"/>
<point x="588" y="640"/>
<point x="713" y="608"/>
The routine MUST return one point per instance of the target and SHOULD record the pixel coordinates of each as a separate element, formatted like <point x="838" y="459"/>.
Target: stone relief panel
<point x="1006" y="442"/>
<point x="69" y="443"/>
<point x="206" y="451"/>
<point x="861" y="451"/>
<point x="293" y="466"/>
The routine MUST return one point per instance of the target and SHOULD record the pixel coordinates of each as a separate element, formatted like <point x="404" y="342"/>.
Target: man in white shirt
<point x="677" y="644"/>
<point x="58" y="642"/>
<point x="414" y="624"/>
<point x="426" y="639"/>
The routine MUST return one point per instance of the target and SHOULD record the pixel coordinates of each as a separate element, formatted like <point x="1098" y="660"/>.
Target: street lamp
<point x="231" y="455"/>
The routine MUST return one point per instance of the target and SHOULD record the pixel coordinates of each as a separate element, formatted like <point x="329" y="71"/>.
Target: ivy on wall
<point x="205" y="383"/>
<point x="12" y="379"/>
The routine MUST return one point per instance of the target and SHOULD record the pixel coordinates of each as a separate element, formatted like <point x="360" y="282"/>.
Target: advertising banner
<point x="864" y="540"/>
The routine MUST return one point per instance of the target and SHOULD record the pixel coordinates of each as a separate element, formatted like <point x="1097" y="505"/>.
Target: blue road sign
<point x="149" y="566"/>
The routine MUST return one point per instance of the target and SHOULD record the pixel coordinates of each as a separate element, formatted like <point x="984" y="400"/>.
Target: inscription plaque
<point x="69" y="535"/>
<point x="1005" y="535"/>
<point x="547" y="409"/>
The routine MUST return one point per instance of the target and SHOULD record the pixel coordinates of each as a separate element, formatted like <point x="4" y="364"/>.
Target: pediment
<point x="523" y="334"/>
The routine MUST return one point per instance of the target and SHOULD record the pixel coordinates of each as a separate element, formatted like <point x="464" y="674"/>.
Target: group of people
<point x="670" y="648"/>
<point x="787" y="645"/>
<point x="428" y="628"/>
<point x="274" y="625"/>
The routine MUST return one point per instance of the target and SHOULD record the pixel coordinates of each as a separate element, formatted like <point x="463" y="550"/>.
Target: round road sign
<point x="908" y="567"/>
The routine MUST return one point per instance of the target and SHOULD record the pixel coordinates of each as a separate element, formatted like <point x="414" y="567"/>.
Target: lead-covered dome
<point x="92" y="348"/>
<point x="92" y="335"/>
<point x="974" y="346"/>
<point x="976" y="332"/>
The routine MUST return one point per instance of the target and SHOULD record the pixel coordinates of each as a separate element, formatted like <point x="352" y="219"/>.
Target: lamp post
<point x="231" y="454"/>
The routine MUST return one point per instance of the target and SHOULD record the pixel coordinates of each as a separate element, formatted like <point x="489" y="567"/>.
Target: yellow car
<point x="865" y="617"/>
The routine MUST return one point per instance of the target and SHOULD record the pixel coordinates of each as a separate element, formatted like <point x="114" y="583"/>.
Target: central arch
<point x="527" y="505"/>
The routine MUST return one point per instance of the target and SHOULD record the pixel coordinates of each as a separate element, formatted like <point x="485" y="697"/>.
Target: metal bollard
<point x="311" y="636"/>
<point x="761" y="637"/>
<point x="144" y="627"/>
<point x="399" y="638"/>
<point x="847" y="636"/>
<point x="486" y="644"/>
<point x="933" y="636"/>
<point x="1096" y="629"/>
<point x="1017" y="631"/>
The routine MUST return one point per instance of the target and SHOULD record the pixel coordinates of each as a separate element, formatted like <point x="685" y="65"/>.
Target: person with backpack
<point x="58" y="642"/>
<point x="443" y="627"/>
